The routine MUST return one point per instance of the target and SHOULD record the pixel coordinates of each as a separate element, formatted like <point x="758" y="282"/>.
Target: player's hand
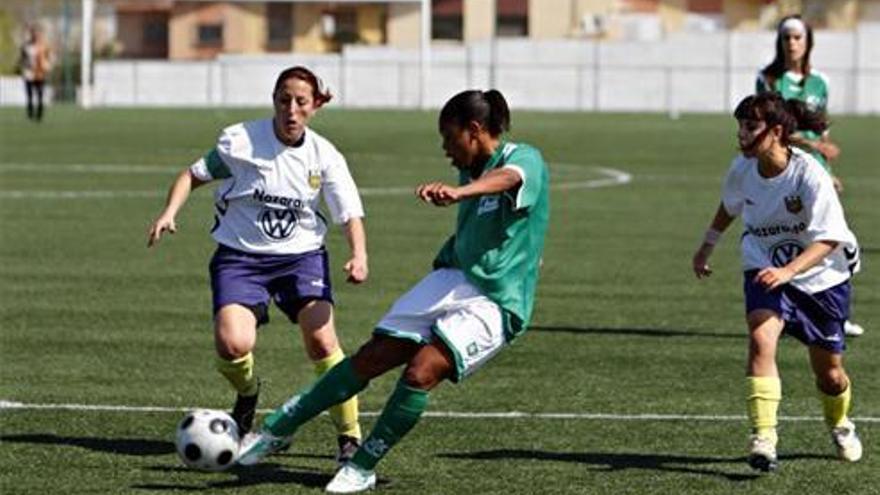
<point x="438" y="193"/>
<point x="828" y="149"/>
<point x="357" y="270"/>
<point x="160" y="226"/>
<point x="771" y="277"/>
<point x="700" y="261"/>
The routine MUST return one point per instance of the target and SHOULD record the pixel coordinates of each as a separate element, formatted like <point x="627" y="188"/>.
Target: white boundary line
<point x="6" y="405"/>
<point x="610" y="177"/>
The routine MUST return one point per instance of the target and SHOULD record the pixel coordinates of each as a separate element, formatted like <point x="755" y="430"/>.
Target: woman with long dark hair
<point x="798" y="255"/>
<point x="792" y="75"/>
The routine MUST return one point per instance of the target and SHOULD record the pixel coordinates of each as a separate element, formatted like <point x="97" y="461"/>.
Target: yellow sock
<point x="240" y="373"/>
<point x="345" y="415"/>
<point x="765" y="392"/>
<point x="836" y="407"/>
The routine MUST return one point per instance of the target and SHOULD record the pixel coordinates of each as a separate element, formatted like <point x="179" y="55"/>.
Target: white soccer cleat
<point x="762" y="454"/>
<point x="255" y="446"/>
<point x="852" y="329"/>
<point x="351" y="479"/>
<point x="849" y="447"/>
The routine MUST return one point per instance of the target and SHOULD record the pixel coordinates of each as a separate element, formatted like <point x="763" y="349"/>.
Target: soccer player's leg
<point x="340" y="383"/>
<point x="319" y="336"/>
<point x="466" y="334"/>
<point x="764" y="388"/>
<point x="240" y="301"/>
<point x="835" y="393"/>
<point x="234" y="337"/>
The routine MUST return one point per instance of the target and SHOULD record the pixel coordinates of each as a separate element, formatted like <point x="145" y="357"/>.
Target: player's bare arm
<point x="772" y="277"/>
<point x="719" y="224"/>
<point x="356" y="266"/>
<point x="177" y="196"/>
<point x="493" y="182"/>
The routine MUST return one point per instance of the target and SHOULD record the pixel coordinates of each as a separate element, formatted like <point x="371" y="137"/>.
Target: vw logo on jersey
<point x="278" y="224"/>
<point x="782" y="253"/>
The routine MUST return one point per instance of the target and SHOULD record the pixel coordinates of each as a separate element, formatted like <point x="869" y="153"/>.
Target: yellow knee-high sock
<point x="344" y="415"/>
<point x="765" y="393"/>
<point x="836" y="407"/>
<point x="240" y="373"/>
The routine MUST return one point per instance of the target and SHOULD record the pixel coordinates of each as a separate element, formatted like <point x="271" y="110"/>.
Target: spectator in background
<point x="35" y="64"/>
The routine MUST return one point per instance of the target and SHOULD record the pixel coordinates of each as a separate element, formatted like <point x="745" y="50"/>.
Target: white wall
<point x="707" y="72"/>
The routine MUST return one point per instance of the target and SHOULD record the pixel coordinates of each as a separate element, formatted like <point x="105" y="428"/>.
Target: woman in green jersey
<point x="478" y="297"/>
<point x="791" y="75"/>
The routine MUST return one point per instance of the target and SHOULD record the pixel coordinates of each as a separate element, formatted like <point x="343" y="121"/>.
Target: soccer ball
<point x="207" y="440"/>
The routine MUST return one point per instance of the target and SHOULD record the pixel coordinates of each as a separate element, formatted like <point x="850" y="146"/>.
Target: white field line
<point x="609" y="177"/>
<point x="6" y="405"/>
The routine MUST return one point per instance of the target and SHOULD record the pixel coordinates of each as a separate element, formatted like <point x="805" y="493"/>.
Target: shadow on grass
<point x="621" y="462"/>
<point x="124" y="446"/>
<point x="641" y="332"/>
<point x="261" y="474"/>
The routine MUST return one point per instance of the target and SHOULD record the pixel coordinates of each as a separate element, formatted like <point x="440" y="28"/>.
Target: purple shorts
<point x="814" y="319"/>
<point x="291" y="280"/>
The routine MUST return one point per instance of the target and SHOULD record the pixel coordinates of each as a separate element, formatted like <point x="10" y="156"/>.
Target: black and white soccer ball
<point x="207" y="440"/>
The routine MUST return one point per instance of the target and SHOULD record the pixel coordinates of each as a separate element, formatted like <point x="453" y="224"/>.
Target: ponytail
<point x="488" y="108"/>
<point x="772" y="109"/>
<point x="807" y="120"/>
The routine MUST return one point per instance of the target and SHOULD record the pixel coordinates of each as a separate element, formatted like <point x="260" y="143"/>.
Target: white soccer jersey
<point x="783" y="215"/>
<point x="269" y="199"/>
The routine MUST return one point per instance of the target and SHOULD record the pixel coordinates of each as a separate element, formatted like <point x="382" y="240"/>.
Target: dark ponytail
<point x="793" y="115"/>
<point x="488" y="108"/>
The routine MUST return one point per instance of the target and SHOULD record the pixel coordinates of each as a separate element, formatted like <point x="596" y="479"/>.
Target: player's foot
<point x="762" y="454"/>
<point x="244" y="410"/>
<point x="255" y="446"/>
<point x="347" y="447"/>
<point x="852" y="329"/>
<point x="351" y="479"/>
<point x="849" y="447"/>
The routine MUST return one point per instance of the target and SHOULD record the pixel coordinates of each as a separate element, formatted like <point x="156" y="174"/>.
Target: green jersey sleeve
<point x="527" y="161"/>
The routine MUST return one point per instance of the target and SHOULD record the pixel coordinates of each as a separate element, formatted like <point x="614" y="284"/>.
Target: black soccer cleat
<point x="244" y="410"/>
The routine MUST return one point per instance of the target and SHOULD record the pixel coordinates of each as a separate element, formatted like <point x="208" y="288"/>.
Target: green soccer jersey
<point x="499" y="238"/>
<point x="813" y="91"/>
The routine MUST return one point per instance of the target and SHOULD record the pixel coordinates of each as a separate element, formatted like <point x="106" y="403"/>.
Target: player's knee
<point x="423" y="377"/>
<point x="231" y="344"/>
<point x="230" y="350"/>
<point x="832" y="381"/>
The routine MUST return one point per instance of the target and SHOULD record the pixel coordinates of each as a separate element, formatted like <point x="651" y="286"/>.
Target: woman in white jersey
<point x="792" y="75"/>
<point x="270" y="234"/>
<point x="798" y="255"/>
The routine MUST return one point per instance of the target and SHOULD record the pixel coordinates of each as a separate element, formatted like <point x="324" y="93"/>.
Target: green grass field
<point x="89" y="316"/>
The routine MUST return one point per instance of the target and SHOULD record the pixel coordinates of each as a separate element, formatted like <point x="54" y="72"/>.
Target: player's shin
<point x="400" y="415"/>
<point x="338" y="384"/>
<point x="344" y="415"/>
<point x="240" y="374"/>
<point x="836" y="407"/>
<point x="765" y="393"/>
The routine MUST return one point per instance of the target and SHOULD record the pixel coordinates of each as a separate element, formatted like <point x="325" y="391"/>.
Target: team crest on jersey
<point x="794" y="204"/>
<point x="314" y="179"/>
<point x="278" y="224"/>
